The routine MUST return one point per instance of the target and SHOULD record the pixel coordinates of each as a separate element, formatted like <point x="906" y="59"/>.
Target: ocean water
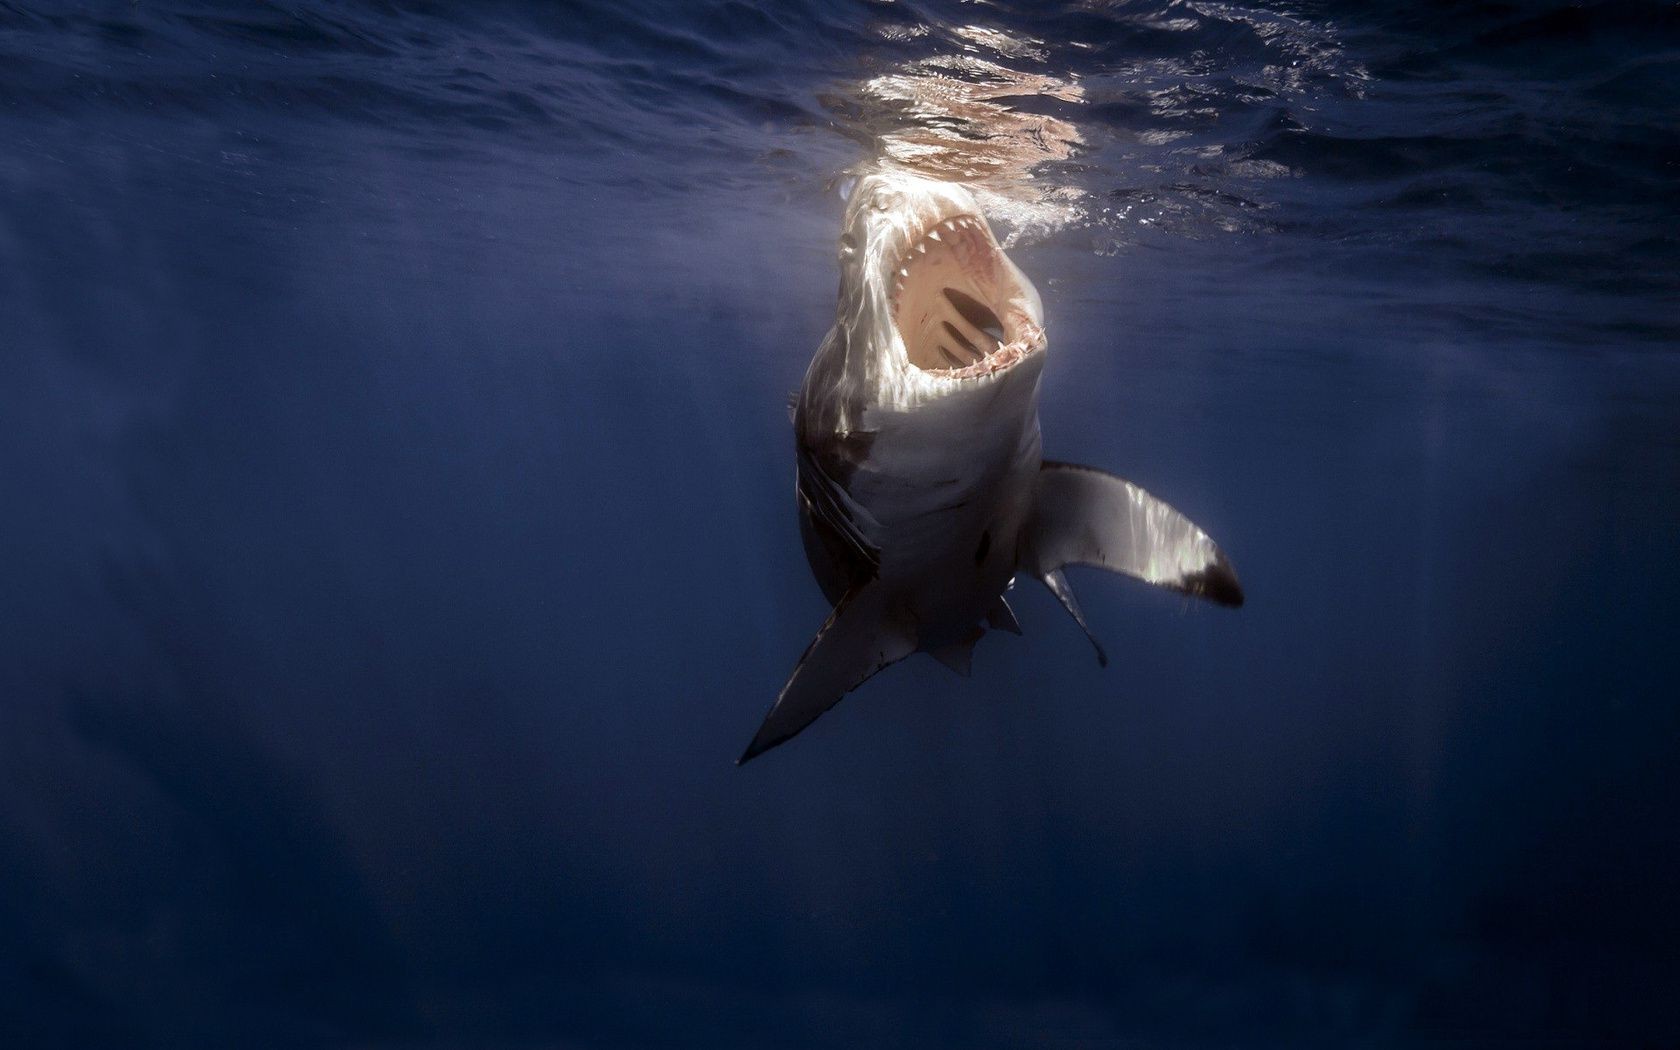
<point x="398" y="537"/>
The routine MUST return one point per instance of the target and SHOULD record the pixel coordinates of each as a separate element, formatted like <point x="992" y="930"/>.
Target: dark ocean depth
<point x="398" y="541"/>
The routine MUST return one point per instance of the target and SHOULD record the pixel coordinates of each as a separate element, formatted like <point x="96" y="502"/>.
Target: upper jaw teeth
<point x="920" y="246"/>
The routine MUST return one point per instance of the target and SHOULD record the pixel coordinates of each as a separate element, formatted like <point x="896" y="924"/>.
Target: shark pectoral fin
<point x="1082" y="516"/>
<point x="858" y="639"/>
<point x="1059" y="587"/>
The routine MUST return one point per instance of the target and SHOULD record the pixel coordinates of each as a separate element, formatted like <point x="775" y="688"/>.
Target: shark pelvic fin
<point x="859" y="638"/>
<point x="1058" y="585"/>
<point x="958" y="656"/>
<point x="1002" y="617"/>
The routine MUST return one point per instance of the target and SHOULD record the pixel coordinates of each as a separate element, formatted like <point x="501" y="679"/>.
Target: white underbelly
<point x="947" y="537"/>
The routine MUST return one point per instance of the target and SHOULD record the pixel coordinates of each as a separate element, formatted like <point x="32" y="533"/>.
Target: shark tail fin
<point x="859" y="638"/>
<point x="1082" y="516"/>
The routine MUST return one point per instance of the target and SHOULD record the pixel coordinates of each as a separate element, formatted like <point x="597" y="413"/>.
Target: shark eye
<point x="848" y="244"/>
<point x="985" y="546"/>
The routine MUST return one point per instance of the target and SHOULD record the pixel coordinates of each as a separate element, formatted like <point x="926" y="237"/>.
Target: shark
<point x="922" y="488"/>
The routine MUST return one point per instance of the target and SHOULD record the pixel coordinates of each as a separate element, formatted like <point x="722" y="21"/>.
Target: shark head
<point x="930" y="306"/>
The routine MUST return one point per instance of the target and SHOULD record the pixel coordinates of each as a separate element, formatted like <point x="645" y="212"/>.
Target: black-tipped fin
<point x="859" y="639"/>
<point x="1083" y="516"/>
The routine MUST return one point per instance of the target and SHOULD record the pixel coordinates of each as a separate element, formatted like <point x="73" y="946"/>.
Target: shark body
<point x="922" y="487"/>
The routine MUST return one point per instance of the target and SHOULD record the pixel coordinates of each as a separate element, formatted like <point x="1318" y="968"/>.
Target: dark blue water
<point x="398" y="535"/>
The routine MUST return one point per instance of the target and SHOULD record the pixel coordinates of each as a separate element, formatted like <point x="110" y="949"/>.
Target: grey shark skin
<point x="922" y="487"/>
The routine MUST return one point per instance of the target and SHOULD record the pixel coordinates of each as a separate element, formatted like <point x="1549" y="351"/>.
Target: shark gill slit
<point x="962" y="341"/>
<point x="976" y="313"/>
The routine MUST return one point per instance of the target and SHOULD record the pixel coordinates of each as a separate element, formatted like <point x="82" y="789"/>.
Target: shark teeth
<point x="920" y="247"/>
<point x="983" y="351"/>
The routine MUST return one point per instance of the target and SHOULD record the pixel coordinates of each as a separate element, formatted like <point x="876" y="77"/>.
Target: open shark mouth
<point x="959" y="305"/>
